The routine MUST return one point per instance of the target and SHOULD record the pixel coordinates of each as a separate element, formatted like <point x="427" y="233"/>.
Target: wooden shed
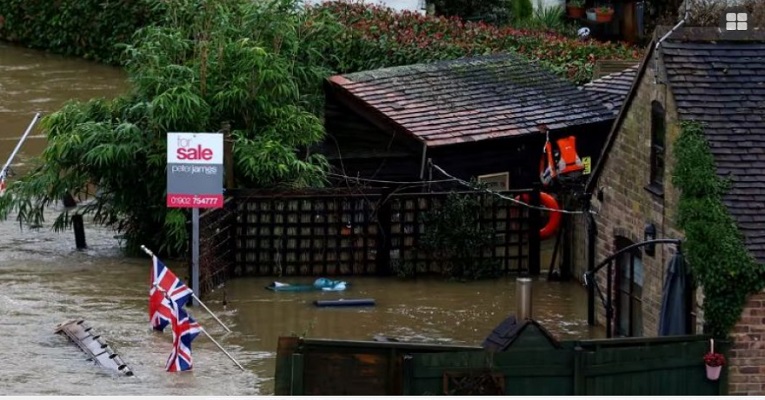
<point x="474" y="117"/>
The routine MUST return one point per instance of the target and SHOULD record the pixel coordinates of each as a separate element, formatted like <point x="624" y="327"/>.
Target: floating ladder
<point x="97" y="350"/>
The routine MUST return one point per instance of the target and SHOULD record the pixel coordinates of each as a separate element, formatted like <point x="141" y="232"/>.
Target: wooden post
<point x="382" y="257"/>
<point x="79" y="231"/>
<point x="534" y="240"/>
<point x="228" y="155"/>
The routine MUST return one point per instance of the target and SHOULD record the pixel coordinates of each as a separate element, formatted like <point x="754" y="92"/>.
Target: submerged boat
<point x="327" y="285"/>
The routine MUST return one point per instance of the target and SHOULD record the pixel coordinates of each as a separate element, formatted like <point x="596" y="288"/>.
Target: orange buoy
<point x="553" y="222"/>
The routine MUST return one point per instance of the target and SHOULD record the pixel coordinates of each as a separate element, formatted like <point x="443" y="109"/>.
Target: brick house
<point x="694" y="74"/>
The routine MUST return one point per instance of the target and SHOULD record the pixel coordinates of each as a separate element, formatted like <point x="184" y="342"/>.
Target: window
<point x="496" y="182"/>
<point x="736" y="21"/>
<point x="629" y="292"/>
<point x="658" y="138"/>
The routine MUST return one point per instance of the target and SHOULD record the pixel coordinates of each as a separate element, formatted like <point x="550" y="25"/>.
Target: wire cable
<point x="500" y="195"/>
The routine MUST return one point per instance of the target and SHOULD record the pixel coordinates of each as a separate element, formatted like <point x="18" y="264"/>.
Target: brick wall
<point x="627" y="206"/>
<point x="747" y="357"/>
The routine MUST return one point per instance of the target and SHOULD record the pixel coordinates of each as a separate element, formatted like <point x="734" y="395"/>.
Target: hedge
<point x="378" y="37"/>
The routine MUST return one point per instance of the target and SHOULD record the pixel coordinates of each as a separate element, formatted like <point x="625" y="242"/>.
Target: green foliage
<point x="495" y="11"/>
<point x="549" y="19"/>
<point x="238" y="61"/>
<point x="376" y="37"/>
<point x="454" y="234"/>
<point x="85" y="28"/>
<point x="521" y="9"/>
<point x="714" y="245"/>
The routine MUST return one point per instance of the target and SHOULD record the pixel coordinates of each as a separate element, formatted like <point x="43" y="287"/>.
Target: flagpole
<point x="203" y="331"/>
<point x="149" y="252"/>
<point x="4" y="171"/>
<point x="221" y="348"/>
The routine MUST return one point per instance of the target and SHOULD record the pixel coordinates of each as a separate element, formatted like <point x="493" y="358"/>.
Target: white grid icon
<point x="735" y="21"/>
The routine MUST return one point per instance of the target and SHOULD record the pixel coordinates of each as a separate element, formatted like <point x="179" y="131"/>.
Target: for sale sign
<point x="194" y="170"/>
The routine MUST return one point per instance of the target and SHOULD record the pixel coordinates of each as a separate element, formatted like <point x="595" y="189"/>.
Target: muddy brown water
<point x="45" y="281"/>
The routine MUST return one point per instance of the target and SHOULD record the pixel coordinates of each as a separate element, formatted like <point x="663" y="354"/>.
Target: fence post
<point x="534" y="227"/>
<point x="228" y="155"/>
<point x="383" y="240"/>
<point x="580" y="387"/>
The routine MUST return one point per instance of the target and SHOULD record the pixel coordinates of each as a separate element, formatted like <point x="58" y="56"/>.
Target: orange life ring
<point x="553" y="223"/>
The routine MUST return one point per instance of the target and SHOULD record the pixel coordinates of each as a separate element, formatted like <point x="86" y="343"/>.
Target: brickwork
<point x="747" y="357"/>
<point x="628" y="206"/>
<point x="625" y="210"/>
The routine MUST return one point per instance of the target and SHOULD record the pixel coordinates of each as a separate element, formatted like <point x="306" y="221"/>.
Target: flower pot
<point x="603" y="17"/>
<point x="575" y="12"/>
<point x="713" y="373"/>
<point x="591" y="14"/>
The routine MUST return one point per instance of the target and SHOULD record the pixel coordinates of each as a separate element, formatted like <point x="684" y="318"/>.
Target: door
<point x="629" y="291"/>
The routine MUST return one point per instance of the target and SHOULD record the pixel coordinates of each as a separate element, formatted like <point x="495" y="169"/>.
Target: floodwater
<point x="45" y="281"/>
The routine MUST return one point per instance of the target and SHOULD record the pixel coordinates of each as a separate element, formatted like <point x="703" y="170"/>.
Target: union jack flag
<point x="185" y="330"/>
<point x="163" y="281"/>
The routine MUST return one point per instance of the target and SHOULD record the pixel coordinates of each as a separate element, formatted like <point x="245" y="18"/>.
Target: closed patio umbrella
<point x="674" y="309"/>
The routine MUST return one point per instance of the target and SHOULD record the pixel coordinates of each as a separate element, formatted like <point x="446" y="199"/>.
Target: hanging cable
<point x="359" y="179"/>
<point x="508" y="198"/>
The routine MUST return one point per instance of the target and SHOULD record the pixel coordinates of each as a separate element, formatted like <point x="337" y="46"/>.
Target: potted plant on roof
<point x="575" y="8"/>
<point x="714" y="362"/>
<point x="604" y="13"/>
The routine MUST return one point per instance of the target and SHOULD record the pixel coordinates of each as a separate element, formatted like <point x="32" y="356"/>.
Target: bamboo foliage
<point x="249" y="63"/>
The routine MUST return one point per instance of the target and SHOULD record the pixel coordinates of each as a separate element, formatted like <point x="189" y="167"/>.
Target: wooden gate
<point x="636" y="366"/>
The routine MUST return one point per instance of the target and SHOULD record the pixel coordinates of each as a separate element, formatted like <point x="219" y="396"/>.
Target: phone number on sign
<point x="194" y="201"/>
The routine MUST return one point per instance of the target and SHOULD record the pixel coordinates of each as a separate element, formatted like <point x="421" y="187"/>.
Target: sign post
<point x="194" y="180"/>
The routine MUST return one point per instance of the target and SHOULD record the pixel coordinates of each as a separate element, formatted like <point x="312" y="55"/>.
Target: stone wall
<point x="627" y="206"/>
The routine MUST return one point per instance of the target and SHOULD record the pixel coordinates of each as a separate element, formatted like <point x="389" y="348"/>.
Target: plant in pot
<point x="575" y="8"/>
<point x="591" y="14"/>
<point x="714" y="363"/>
<point x="604" y="13"/>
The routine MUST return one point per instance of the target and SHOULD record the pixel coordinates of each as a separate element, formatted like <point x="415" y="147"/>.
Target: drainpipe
<point x="666" y="35"/>
<point x="422" y="162"/>
<point x="592" y="236"/>
<point x="523" y="298"/>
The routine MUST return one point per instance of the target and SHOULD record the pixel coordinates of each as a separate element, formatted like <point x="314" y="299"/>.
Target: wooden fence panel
<point x="660" y="369"/>
<point x="306" y="235"/>
<point x="316" y="233"/>
<point x="216" y="246"/>
<point x="514" y="372"/>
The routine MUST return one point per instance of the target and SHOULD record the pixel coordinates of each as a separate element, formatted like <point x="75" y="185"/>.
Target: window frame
<point x="658" y="148"/>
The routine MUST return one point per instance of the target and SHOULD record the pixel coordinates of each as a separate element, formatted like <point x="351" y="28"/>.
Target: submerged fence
<point x="269" y="233"/>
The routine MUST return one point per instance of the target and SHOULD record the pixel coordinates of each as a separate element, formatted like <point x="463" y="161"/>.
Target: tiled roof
<point x="722" y="84"/>
<point x="612" y="89"/>
<point x="472" y="99"/>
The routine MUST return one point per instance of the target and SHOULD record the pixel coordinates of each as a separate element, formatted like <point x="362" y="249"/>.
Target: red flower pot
<point x="603" y="17"/>
<point x="575" y="12"/>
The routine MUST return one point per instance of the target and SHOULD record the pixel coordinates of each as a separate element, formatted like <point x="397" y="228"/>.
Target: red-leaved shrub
<point x="377" y="37"/>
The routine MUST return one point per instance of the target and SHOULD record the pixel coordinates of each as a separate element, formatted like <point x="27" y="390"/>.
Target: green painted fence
<point x="635" y="366"/>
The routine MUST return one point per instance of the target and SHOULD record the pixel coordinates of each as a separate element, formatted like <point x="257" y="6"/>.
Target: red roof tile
<point x="473" y="99"/>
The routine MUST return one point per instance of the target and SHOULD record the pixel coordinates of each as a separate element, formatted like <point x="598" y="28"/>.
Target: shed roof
<point x="471" y="99"/>
<point x="612" y="89"/>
